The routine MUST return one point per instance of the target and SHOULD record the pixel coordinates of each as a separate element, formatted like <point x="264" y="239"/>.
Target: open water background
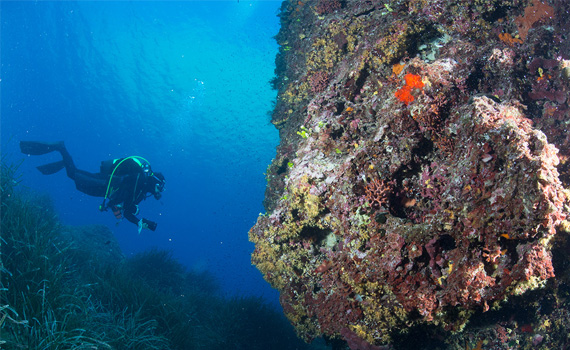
<point x="184" y="84"/>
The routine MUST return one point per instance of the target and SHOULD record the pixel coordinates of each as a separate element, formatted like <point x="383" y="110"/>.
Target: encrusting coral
<point x="427" y="175"/>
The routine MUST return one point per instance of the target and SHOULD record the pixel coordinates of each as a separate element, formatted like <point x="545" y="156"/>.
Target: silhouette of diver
<point x="123" y="182"/>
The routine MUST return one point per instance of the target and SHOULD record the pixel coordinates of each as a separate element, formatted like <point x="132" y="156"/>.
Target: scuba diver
<point x="123" y="183"/>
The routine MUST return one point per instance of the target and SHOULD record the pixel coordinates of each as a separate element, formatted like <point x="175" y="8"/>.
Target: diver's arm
<point x="129" y="213"/>
<point x="143" y="223"/>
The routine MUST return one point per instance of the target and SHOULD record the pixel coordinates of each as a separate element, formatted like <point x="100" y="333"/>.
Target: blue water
<point x="184" y="84"/>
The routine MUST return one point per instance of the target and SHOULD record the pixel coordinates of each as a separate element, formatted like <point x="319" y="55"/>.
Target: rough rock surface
<point x="420" y="179"/>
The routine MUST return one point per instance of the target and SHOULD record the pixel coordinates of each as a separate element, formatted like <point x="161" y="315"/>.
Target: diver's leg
<point x="90" y="183"/>
<point x="68" y="162"/>
<point x="86" y="182"/>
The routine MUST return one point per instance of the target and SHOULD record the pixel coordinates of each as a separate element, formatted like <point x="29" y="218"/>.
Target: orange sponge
<point x="404" y="94"/>
<point x="414" y="81"/>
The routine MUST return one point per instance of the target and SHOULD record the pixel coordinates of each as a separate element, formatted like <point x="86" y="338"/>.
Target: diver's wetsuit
<point x="130" y="190"/>
<point x="128" y="187"/>
<point x="93" y="184"/>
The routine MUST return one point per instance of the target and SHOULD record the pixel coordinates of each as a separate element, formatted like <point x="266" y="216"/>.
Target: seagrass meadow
<point x="65" y="287"/>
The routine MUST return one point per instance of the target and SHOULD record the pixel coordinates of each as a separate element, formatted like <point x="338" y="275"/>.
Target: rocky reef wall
<point x="421" y="178"/>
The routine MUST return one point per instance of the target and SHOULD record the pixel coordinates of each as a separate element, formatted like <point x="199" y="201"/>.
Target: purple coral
<point x="319" y="81"/>
<point x="327" y="6"/>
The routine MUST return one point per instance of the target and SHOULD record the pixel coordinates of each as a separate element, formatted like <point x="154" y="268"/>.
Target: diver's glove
<point x="147" y="225"/>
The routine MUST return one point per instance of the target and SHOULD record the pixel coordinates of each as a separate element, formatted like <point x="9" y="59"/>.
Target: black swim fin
<point x="37" y="148"/>
<point x="51" y="168"/>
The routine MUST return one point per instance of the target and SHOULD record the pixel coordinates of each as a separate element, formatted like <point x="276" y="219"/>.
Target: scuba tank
<point x="122" y="166"/>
